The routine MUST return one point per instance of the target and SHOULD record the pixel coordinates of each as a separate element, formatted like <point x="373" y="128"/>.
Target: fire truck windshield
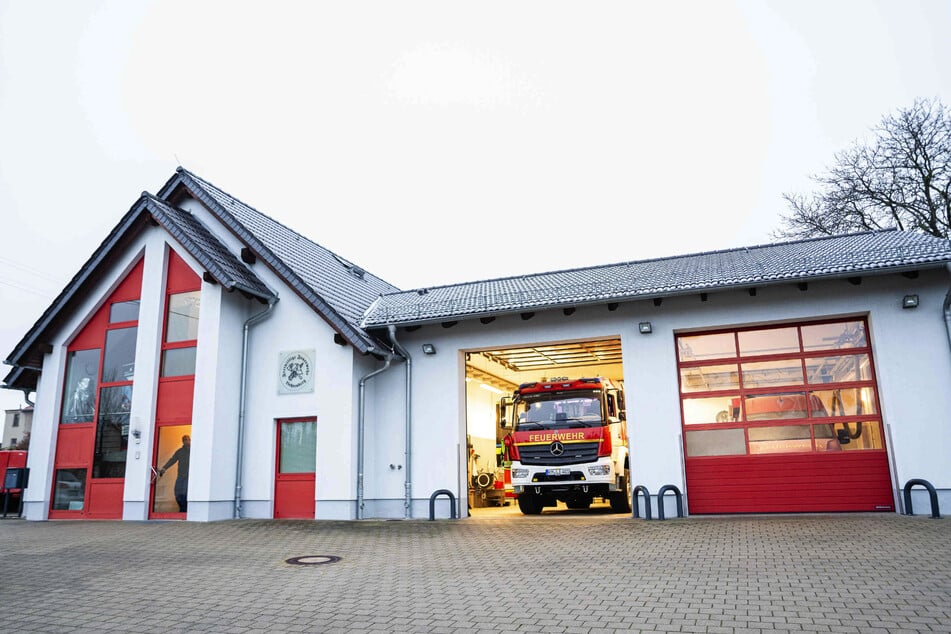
<point x="559" y="411"/>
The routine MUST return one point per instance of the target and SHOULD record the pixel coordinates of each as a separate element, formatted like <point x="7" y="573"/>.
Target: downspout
<point x="361" y="424"/>
<point x="26" y="393"/>
<point x="408" y="450"/>
<point x="242" y="398"/>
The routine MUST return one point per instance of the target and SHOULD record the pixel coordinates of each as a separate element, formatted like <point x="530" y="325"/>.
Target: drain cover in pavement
<point x="312" y="560"/>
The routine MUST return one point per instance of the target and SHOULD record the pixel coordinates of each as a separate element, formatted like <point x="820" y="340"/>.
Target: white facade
<point x="911" y="349"/>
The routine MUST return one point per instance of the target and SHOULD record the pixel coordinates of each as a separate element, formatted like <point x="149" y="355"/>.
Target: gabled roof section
<point x="802" y="260"/>
<point x="220" y="263"/>
<point x="336" y="289"/>
<point x="195" y="239"/>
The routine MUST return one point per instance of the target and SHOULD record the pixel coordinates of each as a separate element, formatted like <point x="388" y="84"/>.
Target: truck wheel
<point x="621" y="500"/>
<point x="530" y="504"/>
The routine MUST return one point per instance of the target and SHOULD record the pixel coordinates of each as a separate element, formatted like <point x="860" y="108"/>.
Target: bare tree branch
<point x="900" y="179"/>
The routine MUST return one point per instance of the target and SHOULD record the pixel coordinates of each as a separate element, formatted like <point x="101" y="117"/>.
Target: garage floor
<point x="511" y="511"/>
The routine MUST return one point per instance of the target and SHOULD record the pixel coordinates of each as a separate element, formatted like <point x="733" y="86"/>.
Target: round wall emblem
<point x="296" y="373"/>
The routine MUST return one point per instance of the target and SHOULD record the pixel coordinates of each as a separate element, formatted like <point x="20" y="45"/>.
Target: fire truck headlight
<point x="519" y="473"/>
<point x="600" y="470"/>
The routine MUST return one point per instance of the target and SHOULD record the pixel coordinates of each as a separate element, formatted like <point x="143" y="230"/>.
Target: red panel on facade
<point x="294" y="496"/>
<point x="181" y="278"/>
<point x="175" y="400"/>
<point x="74" y="445"/>
<point x="129" y="289"/>
<point x="846" y="481"/>
<point x="105" y="499"/>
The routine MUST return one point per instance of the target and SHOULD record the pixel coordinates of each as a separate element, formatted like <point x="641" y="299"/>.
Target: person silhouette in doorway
<point x="181" y="457"/>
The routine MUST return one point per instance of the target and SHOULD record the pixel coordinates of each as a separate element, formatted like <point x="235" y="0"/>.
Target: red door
<point x="295" y="466"/>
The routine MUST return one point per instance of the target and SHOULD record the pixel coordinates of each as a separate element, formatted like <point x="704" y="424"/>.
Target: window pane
<point x="776" y="406"/>
<point x="716" y="442"/>
<point x="112" y="432"/>
<point x="298" y="447"/>
<point x="840" y="369"/>
<point x="178" y="362"/>
<point x="771" y="341"/>
<point x="183" y="317"/>
<point x="847" y="334"/>
<point x="780" y="439"/>
<point x="119" y="361"/>
<point x="720" y="409"/>
<point x="708" y="378"/>
<point x="82" y="368"/>
<point x="124" y="311"/>
<point x="701" y="347"/>
<point x="70" y="490"/>
<point x="857" y="436"/>
<point x="855" y="401"/>
<point x="772" y="373"/>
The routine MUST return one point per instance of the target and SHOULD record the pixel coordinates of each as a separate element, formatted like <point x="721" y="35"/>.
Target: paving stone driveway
<point x="551" y="573"/>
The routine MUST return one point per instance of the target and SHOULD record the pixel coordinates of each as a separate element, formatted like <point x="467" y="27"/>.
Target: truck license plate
<point x="558" y="471"/>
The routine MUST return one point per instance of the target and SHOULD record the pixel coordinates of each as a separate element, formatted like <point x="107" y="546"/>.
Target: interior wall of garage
<point x="916" y="404"/>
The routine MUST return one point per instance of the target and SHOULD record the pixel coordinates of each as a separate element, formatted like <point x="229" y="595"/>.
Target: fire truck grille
<point x="573" y="454"/>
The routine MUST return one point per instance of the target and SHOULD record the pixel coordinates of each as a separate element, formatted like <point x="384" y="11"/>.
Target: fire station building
<point x="209" y="363"/>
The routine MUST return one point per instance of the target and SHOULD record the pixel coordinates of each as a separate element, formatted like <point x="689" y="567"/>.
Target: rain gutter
<point x="242" y="398"/>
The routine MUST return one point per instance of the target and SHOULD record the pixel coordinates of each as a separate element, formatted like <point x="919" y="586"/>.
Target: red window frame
<point x="806" y="387"/>
<point x="93" y="337"/>
<point x="180" y="279"/>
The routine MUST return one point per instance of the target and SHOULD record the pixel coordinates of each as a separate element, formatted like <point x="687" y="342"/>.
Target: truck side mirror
<point x="503" y="418"/>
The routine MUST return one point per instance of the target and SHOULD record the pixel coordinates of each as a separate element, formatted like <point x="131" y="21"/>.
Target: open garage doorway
<point x="493" y="375"/>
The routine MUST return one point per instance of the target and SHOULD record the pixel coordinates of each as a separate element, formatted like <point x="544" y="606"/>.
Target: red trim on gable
<point x="181" y="278"/>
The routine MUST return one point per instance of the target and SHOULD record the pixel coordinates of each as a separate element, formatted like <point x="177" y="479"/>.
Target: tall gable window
<point x="181" y="334"/>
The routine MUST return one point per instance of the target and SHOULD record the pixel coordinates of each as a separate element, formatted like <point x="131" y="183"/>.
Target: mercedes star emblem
<point x="556" y="448"/>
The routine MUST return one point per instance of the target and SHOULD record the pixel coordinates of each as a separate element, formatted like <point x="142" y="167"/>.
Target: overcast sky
<point x="430" y="142"/>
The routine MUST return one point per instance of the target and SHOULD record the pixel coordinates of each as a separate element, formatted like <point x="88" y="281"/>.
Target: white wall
<point x="910" y="349"/>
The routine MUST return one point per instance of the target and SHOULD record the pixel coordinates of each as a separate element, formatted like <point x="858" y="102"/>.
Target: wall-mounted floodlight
<point x="909" y="301"/>
<point x="645" y="328"/>
<point x="429" y="348"/>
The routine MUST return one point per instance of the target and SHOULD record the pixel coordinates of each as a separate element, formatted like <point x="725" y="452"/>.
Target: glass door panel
<point x="170" y="471"/>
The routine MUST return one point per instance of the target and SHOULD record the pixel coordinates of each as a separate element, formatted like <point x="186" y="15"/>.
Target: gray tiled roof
<point x="803" y="260"/>
<point x="27" y="357"/>
<point x="207" y="249"/>
<point x="339" y="290"/>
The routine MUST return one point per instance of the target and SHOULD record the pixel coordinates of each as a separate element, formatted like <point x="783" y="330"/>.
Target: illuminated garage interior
<point x="494" y="373"/>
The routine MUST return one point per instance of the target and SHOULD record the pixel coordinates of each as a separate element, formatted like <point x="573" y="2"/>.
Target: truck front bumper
<point x="595" y="477"/>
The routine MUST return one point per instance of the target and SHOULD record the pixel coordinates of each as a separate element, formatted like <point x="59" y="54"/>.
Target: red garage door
<point x="782" y="419"/>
